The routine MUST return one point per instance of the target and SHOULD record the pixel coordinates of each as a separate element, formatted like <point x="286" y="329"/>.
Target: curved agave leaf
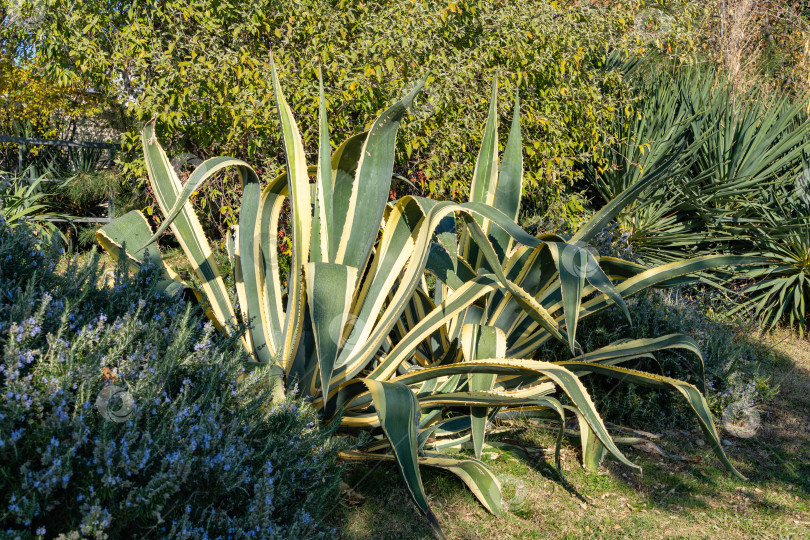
<point x="482" y="482"/>
<point x="397" y="410"/>
<point x="186" y="228"/>
<point x="271" y="204"/>
<point x="560" y="375"/>
<point x="593" y="451"/>
<point x="132" y="229"/>
<point x="692" y="395"/>
<point x="533" y="337"/>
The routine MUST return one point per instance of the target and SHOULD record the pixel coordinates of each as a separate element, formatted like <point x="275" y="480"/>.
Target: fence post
<point x="19" y="159"/>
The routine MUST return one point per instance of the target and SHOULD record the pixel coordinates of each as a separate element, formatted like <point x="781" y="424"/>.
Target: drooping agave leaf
<point x="639" y="348"/>
<point x="482" y="482"/>
<point x="132" y="230"/>
<point x="693" y="396"/>
<point x="593" y="451"/>
<point x="198" y="178"/>
<point x="558" y="374"/>
<point x="398" y="411"/>
<point x="535" y="310"/>
<point x="249" y="282"/>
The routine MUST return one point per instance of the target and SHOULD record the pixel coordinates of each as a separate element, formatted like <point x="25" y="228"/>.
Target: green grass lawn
<point x="693" y="497"/>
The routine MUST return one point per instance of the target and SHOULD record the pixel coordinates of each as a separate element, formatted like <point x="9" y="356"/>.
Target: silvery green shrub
<point x="186" y="445"/>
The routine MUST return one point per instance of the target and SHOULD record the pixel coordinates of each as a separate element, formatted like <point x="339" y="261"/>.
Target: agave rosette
<point x="359" y="330"/>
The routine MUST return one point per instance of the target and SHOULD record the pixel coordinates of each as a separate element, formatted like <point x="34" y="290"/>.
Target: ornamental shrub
<point x="203" y="70"/>
<point x="123" y="415"/>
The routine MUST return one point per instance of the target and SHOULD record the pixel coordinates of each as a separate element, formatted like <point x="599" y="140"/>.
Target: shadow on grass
<point x="776" y="460"/>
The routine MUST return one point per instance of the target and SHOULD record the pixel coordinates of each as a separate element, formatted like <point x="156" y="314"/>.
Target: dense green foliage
<point x="198" y="449"/>
<point x="202" y="69"/>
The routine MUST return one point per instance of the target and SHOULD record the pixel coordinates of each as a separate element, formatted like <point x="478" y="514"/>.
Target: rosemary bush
<point x="123" y="415"/>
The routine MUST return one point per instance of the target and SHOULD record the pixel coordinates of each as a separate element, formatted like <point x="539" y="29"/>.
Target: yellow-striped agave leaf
<point x="324" y="232"/>
<point x="301" y="223"/>
<point x="479" y="342"/>
<point x="398" y="411"/>
<point x="125" y="235"/>
<point x="693" y="396"/>
<point x="186" y="227"/>
<point x="371" y="185"/>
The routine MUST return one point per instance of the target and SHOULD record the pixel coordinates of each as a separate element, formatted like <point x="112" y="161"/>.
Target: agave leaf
<point x="558" y="373"/>
<point x="397" y="410"/>
<point x="329" y="310"/>
<point x="478" y="341"/>
<point x="510" y="183"/>
<point x="524" y="298"/>
<point x="187" y="228"/>
<point x="485" y="175"/>
<point x="270" y="206"/>
<point x="482" y="482"/>
<point x="298" y="182"/>
<point x="572" y="264"/>
<point x="693" y="396"/>
<point x="371" y="185"/>
<point x="198" y="178"/>
<point x="593" y="451"/>
<point x="130" y="230"/>
<point x="324" y="232"/>
<point x="460" y="299"/>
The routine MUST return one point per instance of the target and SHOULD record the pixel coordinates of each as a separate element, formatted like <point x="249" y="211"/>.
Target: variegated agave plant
<point x="357" y="328"/>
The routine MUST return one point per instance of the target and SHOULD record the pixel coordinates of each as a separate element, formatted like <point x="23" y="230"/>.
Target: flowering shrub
<point x="122" y="415"/>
